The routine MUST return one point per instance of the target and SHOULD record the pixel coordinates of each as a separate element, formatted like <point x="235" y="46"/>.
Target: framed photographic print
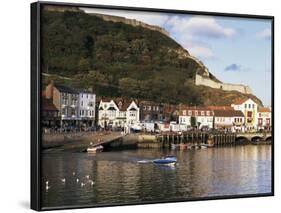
<point x="139" y="106"/>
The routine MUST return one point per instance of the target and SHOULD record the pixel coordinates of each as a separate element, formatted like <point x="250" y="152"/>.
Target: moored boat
<point x="169" y="160"/>
<point x="95" y="149"/>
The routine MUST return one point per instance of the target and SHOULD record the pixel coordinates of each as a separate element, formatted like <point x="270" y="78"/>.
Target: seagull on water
<point x="88" y="176"/>
<point x="82" y="184"/>
<point x="77" y="180"/>
<point x="63" y="180"/>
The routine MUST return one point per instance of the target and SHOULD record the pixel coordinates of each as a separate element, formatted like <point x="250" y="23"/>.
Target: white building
<point x="229" y="120"/>
<point x="132" y="114"/>
<point x="118" y="115"/>
<point x="86" y="107"/>
<point x="264" y="118"/>
<point x="203" y="117"/>
<point x="250" y="111"/>
<point x="108" y="113"/>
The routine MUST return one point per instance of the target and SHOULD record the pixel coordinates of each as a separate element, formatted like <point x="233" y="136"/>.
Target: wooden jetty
<point x="196" y="138"/>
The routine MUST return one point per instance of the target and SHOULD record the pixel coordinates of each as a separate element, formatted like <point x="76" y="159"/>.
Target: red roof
<point x="220" y="107"/>
<point x="240" y="101"/>
<point x="264" y="109"/>
<point x="228" y="113"/>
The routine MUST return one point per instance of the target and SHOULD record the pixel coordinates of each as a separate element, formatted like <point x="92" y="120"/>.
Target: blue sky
<point x="236" y="50"/>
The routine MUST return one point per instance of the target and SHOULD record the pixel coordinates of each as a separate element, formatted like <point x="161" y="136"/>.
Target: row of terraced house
<point x="68" y="107"/>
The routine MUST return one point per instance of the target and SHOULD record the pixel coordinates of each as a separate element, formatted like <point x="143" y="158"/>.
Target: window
<point x="249" y="105"/>
<point x="202" y="113"/>
<point x="253" y="106"/>
<point x="184" y="112"/>
<point x="189" y="112"/>
<point x="208" y="113"/>
<point x="81" y="103"/>
<point x="144" y="107"/>
<point x="132" y="114"/>
<point x="196" y="113"/>
<point x="245" y="106"/>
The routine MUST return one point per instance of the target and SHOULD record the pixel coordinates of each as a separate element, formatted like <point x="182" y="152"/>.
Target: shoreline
<point x="112" y="141"/>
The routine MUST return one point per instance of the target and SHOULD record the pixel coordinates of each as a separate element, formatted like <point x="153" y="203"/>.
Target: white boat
<point x="95" y="149"/>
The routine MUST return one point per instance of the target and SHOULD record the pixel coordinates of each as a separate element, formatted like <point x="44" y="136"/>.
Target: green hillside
<point x="117" y="59"/>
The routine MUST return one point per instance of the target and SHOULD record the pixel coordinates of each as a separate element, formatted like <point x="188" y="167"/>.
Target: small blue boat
<point x="169" y="160"/>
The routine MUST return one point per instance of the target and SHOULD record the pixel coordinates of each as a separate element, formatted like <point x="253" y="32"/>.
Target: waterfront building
<point x="66" y="101"/>
<point x="170" y="113"/>
<point x="118" y="115"/>
<point x="76" y="108"/>
<point x="150" y="111"/>
<point x="229" y="120"/>
<point x="250" y="111"/>
<point x="86" y="107"/>
<point x="199" y="117"/>
<point x="50" y="113"/>
<point x="107" y="114"/>
<point x="264" y="118"/>
<point x="132" y="114"/>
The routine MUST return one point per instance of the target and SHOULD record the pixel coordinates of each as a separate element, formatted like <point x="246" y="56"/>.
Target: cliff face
<point x="122" y="57"/>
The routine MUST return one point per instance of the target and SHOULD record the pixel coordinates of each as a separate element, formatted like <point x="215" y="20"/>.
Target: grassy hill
<point x="117" y="59"/>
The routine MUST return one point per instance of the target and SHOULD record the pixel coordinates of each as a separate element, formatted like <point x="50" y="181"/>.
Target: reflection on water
<point x="117" y="177"/>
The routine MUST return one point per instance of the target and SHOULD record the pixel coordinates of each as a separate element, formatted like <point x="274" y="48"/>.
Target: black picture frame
<point x="36" y="198"/>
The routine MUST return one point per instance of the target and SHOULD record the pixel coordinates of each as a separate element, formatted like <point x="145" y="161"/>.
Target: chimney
<point x="50" y="90"/>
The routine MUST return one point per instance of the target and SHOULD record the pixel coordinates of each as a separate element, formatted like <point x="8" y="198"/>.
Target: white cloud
<point x="196" y="48"/>
<point x="264" y="34"/>
<point x="200" y="26"/>
<point x="201" y="52"/>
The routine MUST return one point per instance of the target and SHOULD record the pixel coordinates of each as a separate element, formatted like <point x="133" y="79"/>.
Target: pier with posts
<point x="210" y="139"/>
<point x="196" y="139"/>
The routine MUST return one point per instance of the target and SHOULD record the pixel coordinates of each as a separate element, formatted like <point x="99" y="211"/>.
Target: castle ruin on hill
<point x="205" y="81"/>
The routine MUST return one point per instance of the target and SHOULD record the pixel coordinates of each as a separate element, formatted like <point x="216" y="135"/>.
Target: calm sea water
<point x="119" y="178"/>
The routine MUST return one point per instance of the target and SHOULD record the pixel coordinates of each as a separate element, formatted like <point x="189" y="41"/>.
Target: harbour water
<point x="118" y="177"/>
